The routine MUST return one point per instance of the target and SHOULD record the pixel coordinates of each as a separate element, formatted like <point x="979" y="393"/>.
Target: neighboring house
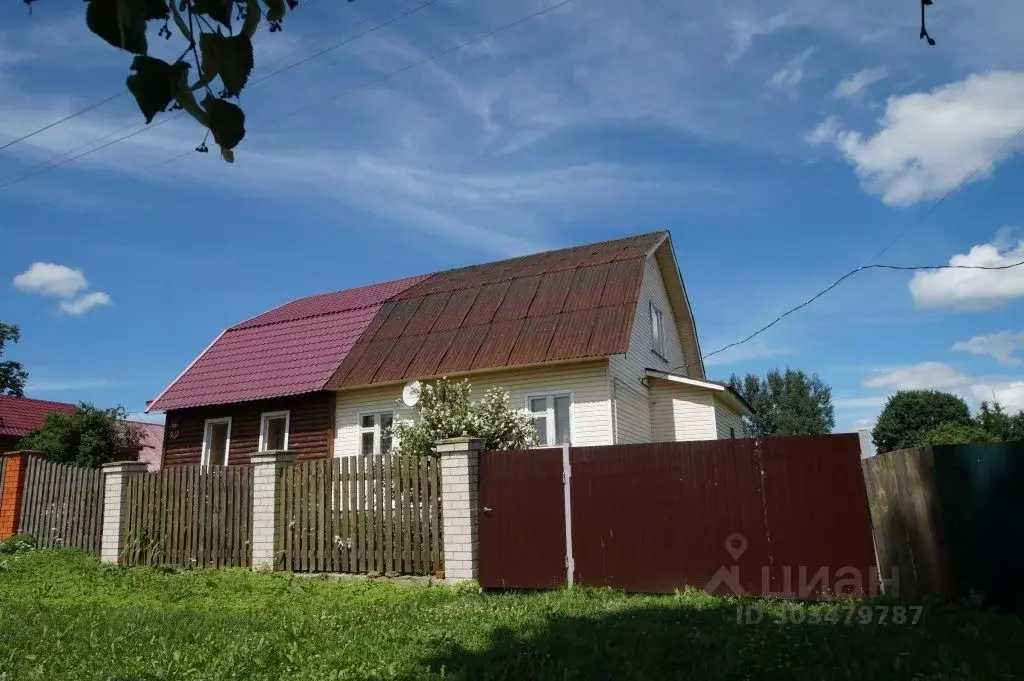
<point x="596" y="342"/>
<point x="151" y="450"/>
<point x="19" y="416"/>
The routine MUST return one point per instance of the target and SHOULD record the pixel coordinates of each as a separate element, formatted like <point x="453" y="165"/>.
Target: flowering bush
<point x="447" y="410"/>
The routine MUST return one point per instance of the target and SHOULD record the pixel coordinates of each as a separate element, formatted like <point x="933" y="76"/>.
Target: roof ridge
<point x="36" y="399"/>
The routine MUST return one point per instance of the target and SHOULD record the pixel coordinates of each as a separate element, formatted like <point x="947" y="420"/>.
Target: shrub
<point x="18" y="543"/>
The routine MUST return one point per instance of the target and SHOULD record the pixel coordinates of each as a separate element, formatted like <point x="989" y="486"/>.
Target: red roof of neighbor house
<point x="152" y="441"/>
<point x="21" y="415"/>
<point x="572" y="303"/>
<point x="290" y="350"/>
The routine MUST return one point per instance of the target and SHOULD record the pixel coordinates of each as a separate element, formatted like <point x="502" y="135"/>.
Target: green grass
<point x="65" y="616"/>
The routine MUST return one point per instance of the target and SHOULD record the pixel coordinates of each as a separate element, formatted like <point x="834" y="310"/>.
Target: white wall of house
<point x="632" y="402"/>
<point x="680" y="413"/>
<point x="591" y="413"/>
<point x="726" y="419"/>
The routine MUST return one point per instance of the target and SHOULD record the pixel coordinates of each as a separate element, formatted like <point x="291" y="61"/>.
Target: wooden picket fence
<point x="189" y="516"/>
<point x="62" y="506"/>
<point x="361" y="514"/>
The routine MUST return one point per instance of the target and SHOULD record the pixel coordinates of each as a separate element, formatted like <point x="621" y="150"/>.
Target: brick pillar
<point x="266" y="479"/>
<point x="13" y="490"/>
<point x="460" y="492"/>
<point x="115" y="475"/>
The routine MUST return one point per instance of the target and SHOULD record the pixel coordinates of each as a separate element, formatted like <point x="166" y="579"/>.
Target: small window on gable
<point x="216" y="442"/>
<point x="552" y="417"/>
<point x="374" y="432"/>
<point x="657" y="331"/>
<point x="274" y="430"/>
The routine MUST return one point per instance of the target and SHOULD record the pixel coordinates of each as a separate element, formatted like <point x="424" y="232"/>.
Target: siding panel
<point x="309" y="428"/>
<point x="679" y="413"/>
<point x="588" y="382"/>
<point x="726" y="418"/>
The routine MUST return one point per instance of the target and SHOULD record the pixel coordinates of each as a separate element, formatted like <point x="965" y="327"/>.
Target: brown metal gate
<point x="522" y="520"/>
<point x="779" y="516"/>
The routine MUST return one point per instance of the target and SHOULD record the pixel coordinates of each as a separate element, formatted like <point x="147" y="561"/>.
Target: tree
<point x="447" y="410"/>
<point x="948" y="433"/>
<point x="88" y="437"/>
<point x="12" y="374"/>
<point x="787" y="404"/>
<point x="909" y="414"/>
<point x="1003" y="427"/>
<point x="217" y="36"/>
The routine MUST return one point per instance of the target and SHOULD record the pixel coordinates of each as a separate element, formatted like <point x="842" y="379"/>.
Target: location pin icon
<point x="736" y="544"/>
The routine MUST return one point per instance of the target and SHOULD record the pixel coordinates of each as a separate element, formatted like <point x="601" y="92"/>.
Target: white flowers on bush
<point x="447" y="410"/>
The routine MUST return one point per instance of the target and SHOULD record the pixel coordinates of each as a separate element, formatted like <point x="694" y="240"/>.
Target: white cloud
<point x="791" y="75"/>
<point x="60" y="281"/>
<point x="77" y="307"/>
<point x="930" y="142"/>
<point x="1008" y="390"/>
<point x="973" y="289"/>
<point x="825" y="131"/>
<point x="49" y="279"/>
<point x="749" y="351"/>
<point x="853" y="86"/>
<point x="871" y="401"/>
<point x="922" y="376"/>
<point x="1000" y="346"/>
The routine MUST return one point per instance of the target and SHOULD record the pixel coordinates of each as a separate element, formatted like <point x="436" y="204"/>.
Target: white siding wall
<point x="726" y="418"/>
<point x="588" y="383"/>
<point x="680" y="413"/>
<point x="632" y="404"/>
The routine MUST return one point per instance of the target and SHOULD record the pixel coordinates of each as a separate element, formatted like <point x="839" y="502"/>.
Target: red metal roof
<point x="290" y="350"/>
<point x="572" y="303"/>
<point x="152" y="441"/>
<point x="21" y="415"/>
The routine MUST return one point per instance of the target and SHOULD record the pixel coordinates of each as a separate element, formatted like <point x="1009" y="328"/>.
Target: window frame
<point x="377" y="431"/>
<point x="265" y="419"/>
<point x="550" y="395"/>
<point x="204" y="453"/>
<point x="657" y="329"/>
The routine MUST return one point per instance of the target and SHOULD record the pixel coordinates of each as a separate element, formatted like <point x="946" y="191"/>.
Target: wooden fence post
<point x="115" y="477"/>
<point x="12" y="492"/>
<point x="460" y="491"/>
<point x="266" y="478"/>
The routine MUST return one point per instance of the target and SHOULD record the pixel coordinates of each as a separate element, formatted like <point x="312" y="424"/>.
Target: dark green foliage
<point x="122" y="23"/>
<point x="910" y="413"/>
<point x="18" y="543"/>
<point x="153" y="84"/>
<point x="12" y="374"/>
<point x="792" y="403"/>
<point x="88" y="437"/>
<point x="64" y="616"/>
<point x="1003" y="427"/>
<point x="218" y="10"/>
<point x="229" y="57"/>
<point x="227" y="122"/>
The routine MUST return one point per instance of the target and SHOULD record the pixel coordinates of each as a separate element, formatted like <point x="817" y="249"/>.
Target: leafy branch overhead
<point x="216" y="61"/>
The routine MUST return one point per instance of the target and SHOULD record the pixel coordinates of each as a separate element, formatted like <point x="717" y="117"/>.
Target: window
<point x="657" y="331"/>
<point x="274" y="430"/>
<point x="732" y="433"/>
<point x="552" y="418"/>
<point x="373" y="435"/>
<point x="216" y="442"/>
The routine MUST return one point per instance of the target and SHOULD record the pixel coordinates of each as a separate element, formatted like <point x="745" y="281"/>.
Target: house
<point x="19" y="416"/>
<point x="596" y="342"/>
<point x="151" y="445"/>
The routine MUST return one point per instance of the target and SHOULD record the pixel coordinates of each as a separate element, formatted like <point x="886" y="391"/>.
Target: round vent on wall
<point x="411" y="393"/>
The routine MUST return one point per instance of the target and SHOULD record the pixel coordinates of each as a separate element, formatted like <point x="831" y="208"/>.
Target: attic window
<point x="657" y="331"/>
<point x="274" y="430"/>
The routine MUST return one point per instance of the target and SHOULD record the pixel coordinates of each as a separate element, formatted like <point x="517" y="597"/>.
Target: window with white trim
<point x="373" y="432"/>
<point x="274" y="430"/>
<point x="216" y="442"/>
<point x="552" y="417"/>
<point x="657" y="331"/>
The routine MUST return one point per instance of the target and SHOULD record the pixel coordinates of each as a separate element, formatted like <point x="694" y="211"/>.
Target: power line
<point x="350" y="90"/>
<point x="867" y="264"/>
<point x="837" y="282"/>
<point x="69" y="159"/>
<point x="102" y="102"/>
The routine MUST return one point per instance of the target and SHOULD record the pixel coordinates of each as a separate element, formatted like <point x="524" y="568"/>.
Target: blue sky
<point x="783" y="143"/>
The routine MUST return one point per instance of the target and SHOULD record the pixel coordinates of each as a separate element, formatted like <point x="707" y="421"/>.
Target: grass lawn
<point x="64" y="616"/>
